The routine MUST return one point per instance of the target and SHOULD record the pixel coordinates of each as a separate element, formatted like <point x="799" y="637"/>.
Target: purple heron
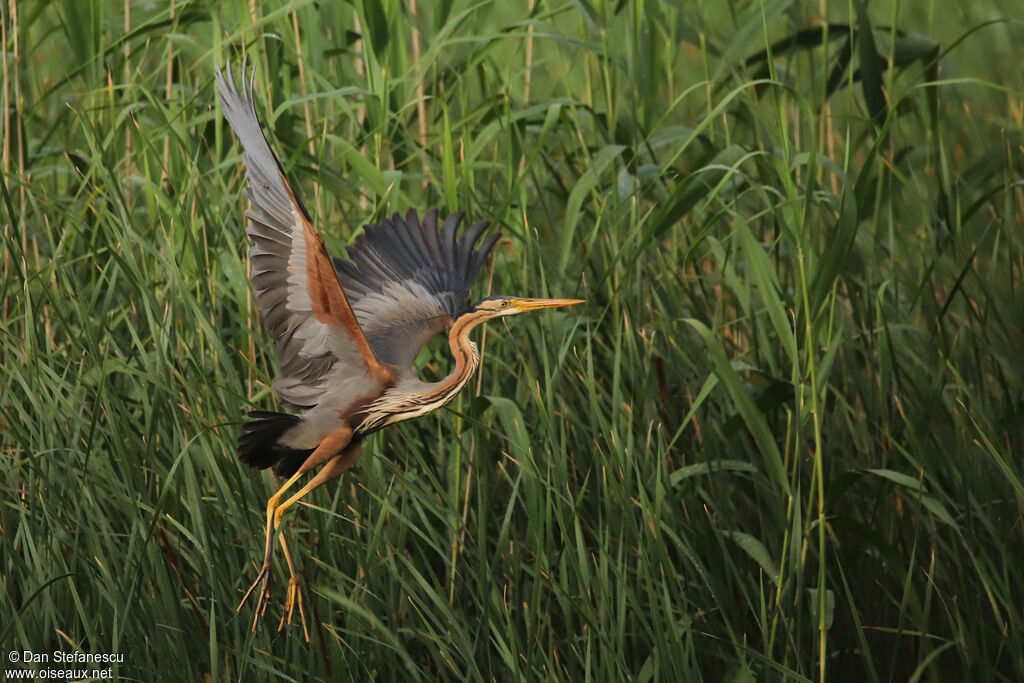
<point x="347" y="330"/>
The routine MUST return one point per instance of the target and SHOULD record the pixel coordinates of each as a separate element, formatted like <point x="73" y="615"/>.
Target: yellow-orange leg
<point x="263" y="577"/>
<point x="330" y="446"/>
<point x="332" y="469"/>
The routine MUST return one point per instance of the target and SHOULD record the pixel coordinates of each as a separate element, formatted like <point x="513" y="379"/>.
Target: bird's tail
<point x="259" y="445"/>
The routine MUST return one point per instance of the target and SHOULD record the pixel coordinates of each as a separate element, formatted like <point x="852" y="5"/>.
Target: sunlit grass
<point x="782" y="441"/>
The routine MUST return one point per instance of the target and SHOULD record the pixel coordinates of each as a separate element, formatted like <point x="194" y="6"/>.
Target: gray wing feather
<point x="407" y="279"/>
<point x="308" y="348"/>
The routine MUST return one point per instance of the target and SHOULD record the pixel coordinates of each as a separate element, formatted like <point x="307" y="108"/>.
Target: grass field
<point x="781" y="442"/>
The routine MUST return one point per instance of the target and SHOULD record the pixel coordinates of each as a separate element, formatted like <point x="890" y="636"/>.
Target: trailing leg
<point x="332" y="469"/>
<point x="328" y="448"/>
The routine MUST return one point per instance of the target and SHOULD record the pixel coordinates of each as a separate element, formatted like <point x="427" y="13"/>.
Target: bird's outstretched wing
<point x="408" y="279"/>
<point x="302" y="304"/>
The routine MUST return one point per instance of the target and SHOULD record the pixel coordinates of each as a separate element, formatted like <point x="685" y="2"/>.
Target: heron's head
<point x="499" y="306"/>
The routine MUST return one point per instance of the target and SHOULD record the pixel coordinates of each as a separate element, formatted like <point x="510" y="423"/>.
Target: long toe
<point x="261" y="586"/>
<point x="295" y="599"/>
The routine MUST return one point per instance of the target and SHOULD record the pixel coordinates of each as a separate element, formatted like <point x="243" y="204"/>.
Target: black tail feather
<point x="258" y="445"/>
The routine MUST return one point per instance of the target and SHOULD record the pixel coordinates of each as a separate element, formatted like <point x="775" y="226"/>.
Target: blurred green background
<point x="782" y="441"/>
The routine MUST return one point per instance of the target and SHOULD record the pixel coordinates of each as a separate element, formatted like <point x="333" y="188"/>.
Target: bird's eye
<point x="504" y="304"/>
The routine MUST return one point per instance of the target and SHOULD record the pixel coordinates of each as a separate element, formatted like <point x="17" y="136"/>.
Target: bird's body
<point x="407" y="397"/>
<point x="348" y="330"/>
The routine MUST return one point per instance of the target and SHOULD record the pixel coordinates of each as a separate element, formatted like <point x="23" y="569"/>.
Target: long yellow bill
<point x="537" y="304"/>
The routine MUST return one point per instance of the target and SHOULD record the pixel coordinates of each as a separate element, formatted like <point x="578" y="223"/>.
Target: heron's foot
<point x="262" y="583"/>
<point x="294" y="599"/>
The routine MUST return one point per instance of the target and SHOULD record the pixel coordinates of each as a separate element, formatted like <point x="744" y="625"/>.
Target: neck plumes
<point x="411" y="397"/>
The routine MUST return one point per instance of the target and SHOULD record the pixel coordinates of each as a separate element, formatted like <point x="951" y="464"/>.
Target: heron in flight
<point x="347" y="330"/>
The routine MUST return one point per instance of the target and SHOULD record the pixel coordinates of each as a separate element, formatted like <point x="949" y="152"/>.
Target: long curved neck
<point x="464" y="351"/>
